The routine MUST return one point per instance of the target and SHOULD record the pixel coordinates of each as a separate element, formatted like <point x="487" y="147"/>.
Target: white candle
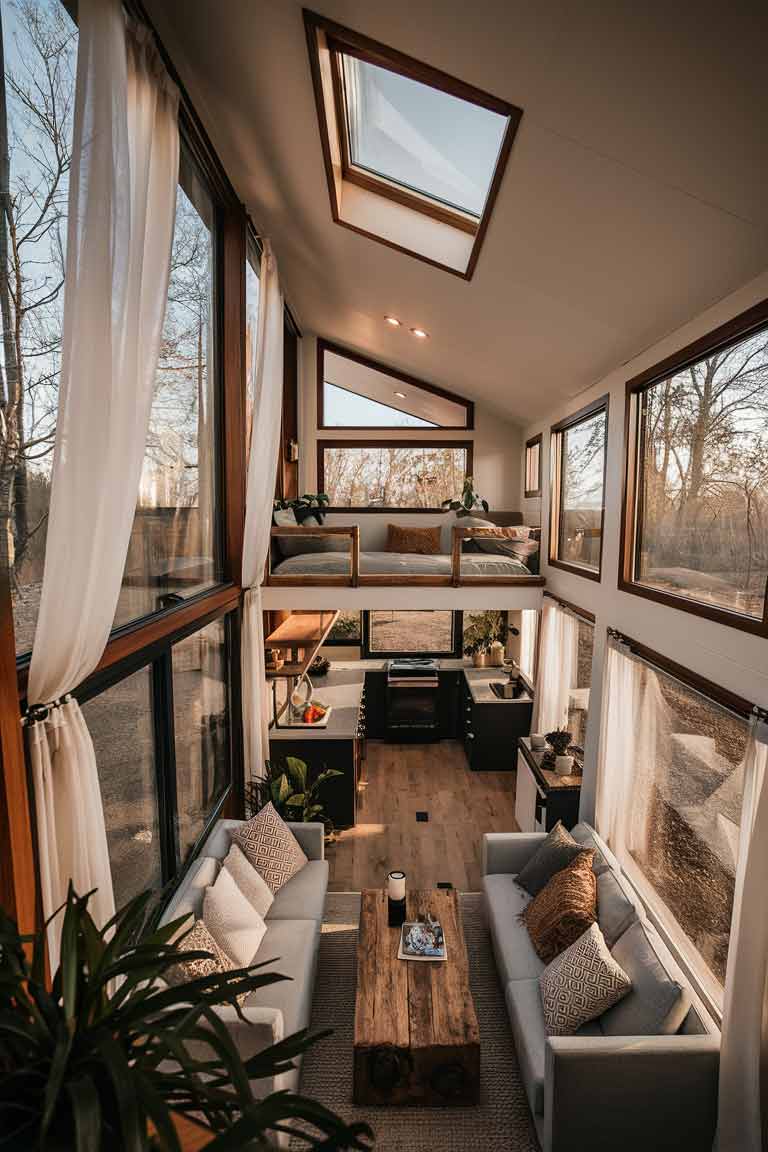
<point x="396" y="885"/>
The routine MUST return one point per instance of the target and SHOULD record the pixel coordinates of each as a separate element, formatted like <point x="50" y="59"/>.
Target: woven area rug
<point x="500" y="1122"/>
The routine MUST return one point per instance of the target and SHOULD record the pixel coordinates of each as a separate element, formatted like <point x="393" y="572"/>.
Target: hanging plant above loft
<point x="469" y="501"/>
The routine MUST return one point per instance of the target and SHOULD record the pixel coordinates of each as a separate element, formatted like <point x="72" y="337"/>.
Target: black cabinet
<point x="491" y="731"/>
<point x="339" y="795"/>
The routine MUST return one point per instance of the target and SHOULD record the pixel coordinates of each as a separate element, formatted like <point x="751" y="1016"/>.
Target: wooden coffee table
<point x="416" y="1035"/>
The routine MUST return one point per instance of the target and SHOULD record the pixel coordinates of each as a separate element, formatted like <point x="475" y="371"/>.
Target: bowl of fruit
<point x="315" y="713"/>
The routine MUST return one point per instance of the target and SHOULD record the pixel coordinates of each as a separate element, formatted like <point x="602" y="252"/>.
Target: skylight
<point x="414" y="158"/>
<point x="419" y="137"/>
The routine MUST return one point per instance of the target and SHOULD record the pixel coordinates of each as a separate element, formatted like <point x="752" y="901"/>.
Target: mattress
<point x="398" y="564"/>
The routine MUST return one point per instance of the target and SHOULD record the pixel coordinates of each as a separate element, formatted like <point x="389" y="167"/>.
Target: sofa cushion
<point x="291" y="948"/>
<point x="269" y="845"/>
<point x="615" y="911"/>
<point x="303" y="897"/>
<point x="554" y="853"/>
<point x="659" y="1000"/>
<point x="526" y="1017"/>
<point x="564" y="908"/>
<point x="583" y="834"/>
<point x="580" y="984"/>
<point x="232" y="920"/>
<point x="516" y="957"/>
<point x="250" y="882"/>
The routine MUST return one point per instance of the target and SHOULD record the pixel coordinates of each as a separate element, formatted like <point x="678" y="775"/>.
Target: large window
<point x="680" y="808"/>
<point x="40" y="47"/>
<point x="397" y="134"/>
<point x="578" y="490"/>
<point x="173" y="549"/>
<point x="696" y="531"/>
<point x="354" y="391"/>
<point x="412" y="633"/>
<point x="392" y="474"/>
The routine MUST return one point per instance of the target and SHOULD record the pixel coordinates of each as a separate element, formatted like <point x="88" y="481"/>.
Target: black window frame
<point x="557" y="474"/>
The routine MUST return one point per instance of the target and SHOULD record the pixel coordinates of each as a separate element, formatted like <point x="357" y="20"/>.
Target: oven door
<point x="412" y="708"/>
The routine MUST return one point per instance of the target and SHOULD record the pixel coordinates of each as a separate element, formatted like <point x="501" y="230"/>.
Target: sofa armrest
<point x="508" y="852"/>
<point x="631" y="1092"/>
<point x="311" y="837"/>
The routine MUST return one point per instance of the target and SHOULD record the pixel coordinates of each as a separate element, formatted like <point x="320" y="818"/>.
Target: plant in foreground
<point x="110" y="1054"/>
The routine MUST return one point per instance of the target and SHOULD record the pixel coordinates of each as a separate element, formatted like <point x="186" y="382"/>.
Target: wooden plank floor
<point x="403" y="779"/>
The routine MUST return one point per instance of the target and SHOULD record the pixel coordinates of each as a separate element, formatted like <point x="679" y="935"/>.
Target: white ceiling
<point x="635" y="196"/>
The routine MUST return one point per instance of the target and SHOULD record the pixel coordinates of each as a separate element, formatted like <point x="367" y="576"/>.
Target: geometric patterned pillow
<point x="580" y="984"/>
<point x="564" y="908"/>
<point x="269" y="845"/>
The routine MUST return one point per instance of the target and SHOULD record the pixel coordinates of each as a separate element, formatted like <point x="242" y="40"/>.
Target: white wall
<point x="725" y="655"/>
<point x="496" y="442"/>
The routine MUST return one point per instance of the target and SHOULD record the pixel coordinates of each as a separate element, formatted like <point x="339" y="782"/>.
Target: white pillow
<point x="250" y="882"/>
<point x="232" y="921"/>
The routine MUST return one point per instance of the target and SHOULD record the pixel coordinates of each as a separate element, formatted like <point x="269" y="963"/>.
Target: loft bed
<point x="334" y="557"/>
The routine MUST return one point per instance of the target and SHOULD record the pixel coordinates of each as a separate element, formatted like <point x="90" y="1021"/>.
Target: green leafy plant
<point x="483" y="629"/>
<point x="468" y="502"/>
<point x="560" y="740"/>
<point x="110" y="1054"/>
<point x="287" y="785"/>
<point x="317" y="500"/>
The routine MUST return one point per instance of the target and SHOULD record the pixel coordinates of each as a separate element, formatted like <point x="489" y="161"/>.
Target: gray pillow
<point x="615" y="911"/>
<point x="658" y="1002"/>
<point x="583" y="834"/>
<point x="554" y="854"/>
<point x="301" y="545"/>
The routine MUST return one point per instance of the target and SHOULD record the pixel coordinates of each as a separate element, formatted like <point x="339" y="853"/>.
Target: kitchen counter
<point x="341" y="690"/>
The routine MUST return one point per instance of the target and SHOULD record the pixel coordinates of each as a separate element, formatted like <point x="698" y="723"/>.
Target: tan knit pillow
<point x="268" y="844"/>
<point x="417" y="541"/>
<point x="564" y="908"/>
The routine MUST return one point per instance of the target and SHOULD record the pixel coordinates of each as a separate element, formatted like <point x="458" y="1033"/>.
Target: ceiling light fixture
<point x="400" y="395"/>
<point x="393" y="320"/>
<point x="419" y="333"/>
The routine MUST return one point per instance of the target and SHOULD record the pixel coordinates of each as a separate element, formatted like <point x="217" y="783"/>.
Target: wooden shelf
<point x="302" y="632"/>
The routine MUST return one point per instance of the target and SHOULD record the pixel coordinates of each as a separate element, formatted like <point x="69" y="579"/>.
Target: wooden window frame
<point x="556" y="486"/>
<point x="733" y="331"/>
<point x="324" y="346"/>
<point x="529" y="493"/>
<point x="322" y="444"/>
<point x="341" y="39"/>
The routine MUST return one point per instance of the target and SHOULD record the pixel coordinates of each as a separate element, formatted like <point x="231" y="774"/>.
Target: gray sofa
<point x="292" y="939"/>
<point x="603" y="1089"/>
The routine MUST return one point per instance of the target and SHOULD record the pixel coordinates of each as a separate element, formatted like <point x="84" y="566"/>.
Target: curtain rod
<point x="729" y="701"/>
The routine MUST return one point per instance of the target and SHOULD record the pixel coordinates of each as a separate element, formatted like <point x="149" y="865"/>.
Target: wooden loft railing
<point x="355" y="578"/>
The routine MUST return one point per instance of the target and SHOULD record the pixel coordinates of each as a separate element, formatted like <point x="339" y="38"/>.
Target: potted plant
<point x="468" y="502"/>
<point x="560" y="742"/>
<point x="286" y="785"/>
<point x="483" y="630"/>
<point x="109" y="1055"/>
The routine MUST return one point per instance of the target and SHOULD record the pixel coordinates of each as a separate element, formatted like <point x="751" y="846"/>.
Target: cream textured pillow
<point x="250" y="882"/>
<point x="580" y="984"/>
<point x="270" y="846"/>
<point x="232" y="920"/>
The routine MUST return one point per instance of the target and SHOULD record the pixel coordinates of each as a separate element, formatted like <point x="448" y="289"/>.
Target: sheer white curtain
<point x="556" y="674"/>
<point x="259" y="496"/>
<point x="744" y="1046"/>
<point x="618" y="742"/>
<point x="122" y="196"/>
<point x="528" y="625"/>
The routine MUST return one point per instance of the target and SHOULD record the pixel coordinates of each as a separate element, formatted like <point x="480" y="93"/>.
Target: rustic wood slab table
<point x="417" y="1039"/>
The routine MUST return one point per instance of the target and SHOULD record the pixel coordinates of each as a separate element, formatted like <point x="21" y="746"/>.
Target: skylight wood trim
<point x="327" y="35"/>
<point x="324" y="346"/>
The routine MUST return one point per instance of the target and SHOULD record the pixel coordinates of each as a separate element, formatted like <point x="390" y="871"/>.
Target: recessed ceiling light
<point x="400" y="395"/>
<point x="420" y="333"/>
<point x="393" y="320"/>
